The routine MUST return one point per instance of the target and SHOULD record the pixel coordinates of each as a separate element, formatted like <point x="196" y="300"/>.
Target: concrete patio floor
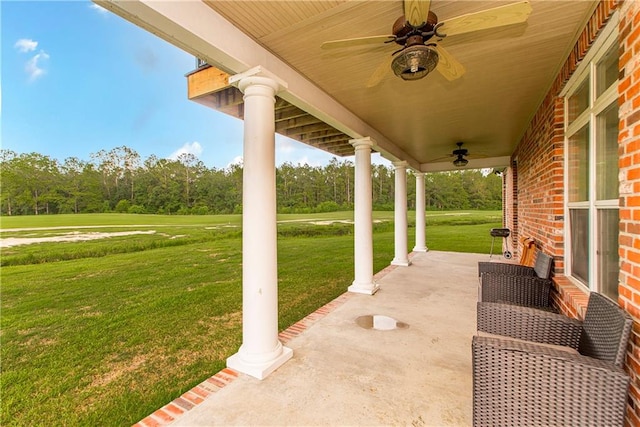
<point x="344" y="374"/>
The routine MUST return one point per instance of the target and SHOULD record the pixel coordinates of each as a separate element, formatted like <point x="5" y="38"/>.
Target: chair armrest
<point x="522" y="290"/>
<point x="504" y="268"/>
<point x="528" y="324"/>
<point x="517" y="383"/>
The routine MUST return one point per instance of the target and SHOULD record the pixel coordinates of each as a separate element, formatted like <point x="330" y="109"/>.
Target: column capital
<point x="258" y="76"/>
<point x="400" y="164"/>
<point x="366" y="142"/>
<point x="419" y="174"/>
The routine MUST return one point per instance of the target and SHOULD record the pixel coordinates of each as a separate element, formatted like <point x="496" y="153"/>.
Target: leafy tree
<point x="123" y="206"/>
<point x="36" y="177"/>
<point x="9" y="182"/>
<point x="120" y="180"/>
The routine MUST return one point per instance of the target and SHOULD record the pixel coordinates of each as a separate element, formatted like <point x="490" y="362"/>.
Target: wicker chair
<point x="541" y="268"/>
<point x="526" y="383"/>
<point x="517" y="284"/>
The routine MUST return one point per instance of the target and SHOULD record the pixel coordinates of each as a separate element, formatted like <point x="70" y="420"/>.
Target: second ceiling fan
<point x="419" y="34"/>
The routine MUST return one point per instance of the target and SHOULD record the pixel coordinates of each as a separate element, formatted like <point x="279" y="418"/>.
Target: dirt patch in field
<point x="75" y="236"/>
<point x="340" y="221"/>
<point x="117" y="370"/>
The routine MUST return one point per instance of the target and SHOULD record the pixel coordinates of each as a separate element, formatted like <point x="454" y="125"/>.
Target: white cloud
<point x="237" y="160"/>
<point x="101" y="10"/>
<point x="34" y="67"/>
<point x="26" y="45"/>
<point x="188" y="148"/>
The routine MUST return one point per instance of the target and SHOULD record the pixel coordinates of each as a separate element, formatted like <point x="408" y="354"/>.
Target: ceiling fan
<point x="459" y="156"/>
<point x="419" y="34"/>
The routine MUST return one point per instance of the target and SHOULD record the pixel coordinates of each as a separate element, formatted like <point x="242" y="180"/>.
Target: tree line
<point x="119" y="180"/>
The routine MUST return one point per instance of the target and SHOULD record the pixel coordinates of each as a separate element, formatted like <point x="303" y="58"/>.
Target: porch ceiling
<point x="508" y="71"/>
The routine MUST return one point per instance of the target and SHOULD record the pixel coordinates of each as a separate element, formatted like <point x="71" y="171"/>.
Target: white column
<point x="421" y="245"/>
<point x="363" y="282"/>
<point x="400" y="214"/>
<point x="261" y="352"/>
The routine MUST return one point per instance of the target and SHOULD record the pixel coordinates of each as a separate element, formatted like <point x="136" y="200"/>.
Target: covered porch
<point x="268" y="64"/>
<point x="347" y="372"/>
<point x="548" y="99"/>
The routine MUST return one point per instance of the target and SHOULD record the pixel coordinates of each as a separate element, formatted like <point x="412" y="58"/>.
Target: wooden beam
<point x="322" y="134"/>
<point x="342" y="138"/>
<point x="281" y="103"/>
<point x="289" y="112"/>
<point x="301" y="130"/>
<point x="205" y="81"/>
<point x="235" y="110"/>
<point x="322" y="144"/>
<point x="296" y="123"/>
<point x="228" y="101"/>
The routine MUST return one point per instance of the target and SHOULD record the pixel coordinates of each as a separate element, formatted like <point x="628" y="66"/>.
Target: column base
<point x="364" y="288"/>
<point x="421" y="249"/>
<point x="401" y="262"/>
<point x="259" y="370"/>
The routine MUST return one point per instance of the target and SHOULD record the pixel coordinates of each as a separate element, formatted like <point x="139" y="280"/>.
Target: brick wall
<point x="540" y="177"/>
<point x="629" y="163"/>
<point x="540" y="155"/>
<point x="510" y="206"/>
<point x="540" y="200"/>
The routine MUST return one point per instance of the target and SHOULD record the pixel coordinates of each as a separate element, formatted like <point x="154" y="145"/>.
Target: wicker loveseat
<point x="574" y="378"/>
<point x="517" y="284"/>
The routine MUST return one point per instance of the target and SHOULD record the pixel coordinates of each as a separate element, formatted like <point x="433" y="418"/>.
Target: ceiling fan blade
<point x="380" y="72"/>
<point x="416" y="11"/>
<point x="335" y="44"/>
<point x="448" y="66"/>
<point x="440" y="159"/>
<point x="515" y="13"/>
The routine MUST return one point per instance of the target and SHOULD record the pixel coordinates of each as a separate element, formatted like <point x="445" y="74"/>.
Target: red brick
<point x="215" y="381"/>
<point x="174" y="409"/>
<point x="200" y="391"/>
<point x="230" y="371"/>
<point x="192" y="398"/>
<point x="161" y="414"/>
<point x="150" y="422"/>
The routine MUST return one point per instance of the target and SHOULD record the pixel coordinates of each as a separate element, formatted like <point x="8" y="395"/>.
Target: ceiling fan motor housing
<point x="415" y="60"/>
<point x="460" y="161"/>
<point x="401" y="29"/>
<point x="460" y="152"/>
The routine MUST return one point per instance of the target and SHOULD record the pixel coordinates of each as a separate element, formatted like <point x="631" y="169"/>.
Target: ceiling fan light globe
<point x="415" y="62"/>
<point x="460" y="162"/>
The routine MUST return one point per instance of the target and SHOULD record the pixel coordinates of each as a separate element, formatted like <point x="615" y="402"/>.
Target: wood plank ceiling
<point x="508" y="72"/>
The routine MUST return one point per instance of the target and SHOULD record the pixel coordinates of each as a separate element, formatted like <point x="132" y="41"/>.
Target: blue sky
<point x="77" y="79"/>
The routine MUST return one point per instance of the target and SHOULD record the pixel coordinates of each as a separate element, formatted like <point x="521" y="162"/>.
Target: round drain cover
<point x="379" y="322"/>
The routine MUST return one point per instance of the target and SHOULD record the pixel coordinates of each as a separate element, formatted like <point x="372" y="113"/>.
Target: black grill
<point x="500" y="232"/>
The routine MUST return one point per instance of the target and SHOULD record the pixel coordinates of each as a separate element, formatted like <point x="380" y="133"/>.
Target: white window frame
<point x="587" y="70"/>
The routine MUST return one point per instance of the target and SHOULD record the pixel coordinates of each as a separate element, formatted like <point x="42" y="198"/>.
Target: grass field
<point x="103" y="332"/>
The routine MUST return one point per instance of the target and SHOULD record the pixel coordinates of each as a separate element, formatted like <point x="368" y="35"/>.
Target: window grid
<point x="589" y="243"/>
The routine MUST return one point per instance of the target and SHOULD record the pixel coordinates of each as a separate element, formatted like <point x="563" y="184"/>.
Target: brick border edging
<point x="197" y="395"/>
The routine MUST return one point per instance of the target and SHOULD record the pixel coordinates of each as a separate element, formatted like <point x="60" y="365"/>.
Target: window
<point x="591" y="166"/>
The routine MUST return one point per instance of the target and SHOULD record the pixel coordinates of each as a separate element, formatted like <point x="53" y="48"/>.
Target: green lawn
<point x="106" y="331"/>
